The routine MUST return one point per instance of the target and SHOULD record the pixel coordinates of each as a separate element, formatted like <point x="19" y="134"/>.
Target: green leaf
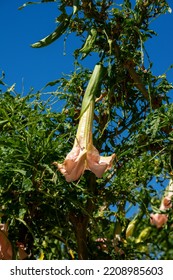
<point x="89" y="43"/>
<point x="23" y="172"/>
<point x="27" y="184"/>
<point x="26" y="4"/>
<point x="43" y="1"/>
<point x="53" y="83"/>
<point x="54" y="35"/>
<point x="75" y="6"/>
<point x="5" y="121"/>
<point x="158" y="211"/>
<point x="2" y="83"/>
<point x="22" y="212"/>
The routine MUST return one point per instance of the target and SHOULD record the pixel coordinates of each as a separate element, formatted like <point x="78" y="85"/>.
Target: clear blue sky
<point x="30" y="67"/>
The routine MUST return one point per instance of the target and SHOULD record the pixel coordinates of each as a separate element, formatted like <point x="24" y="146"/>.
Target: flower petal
<point x="158" y="219"/>
<point x="74" y="165"/>
<point x="108" y="160"/>
<point x="6" y="251"/>
<point x="166" y="203"/>
<point x="96" y="163"/>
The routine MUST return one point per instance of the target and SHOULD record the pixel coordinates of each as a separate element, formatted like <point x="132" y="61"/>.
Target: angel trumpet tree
<point x="84" y="156"/>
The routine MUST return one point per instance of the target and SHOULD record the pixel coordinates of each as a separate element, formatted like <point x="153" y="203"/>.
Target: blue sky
<point x="28" y="67"/>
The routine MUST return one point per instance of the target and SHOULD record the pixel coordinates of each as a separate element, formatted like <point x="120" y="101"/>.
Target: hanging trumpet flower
<point x="84" y="156"/>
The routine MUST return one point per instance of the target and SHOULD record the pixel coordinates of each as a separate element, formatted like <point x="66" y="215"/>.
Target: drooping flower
<point x="160" y="219"/>
<point x="84" y="156"/>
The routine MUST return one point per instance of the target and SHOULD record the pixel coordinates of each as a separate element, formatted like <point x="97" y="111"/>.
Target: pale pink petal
<point x="6" y="251"/>
<point x="73" y="154"/>
<point x="4" y="228"/>
<point x="108" y="160"/>
<point x="166" y="203"/>
<point x="158" y="219"/>
<point x="73" y="168"/>
<point x="96" y="163"/>
<point x="71" y="159"/>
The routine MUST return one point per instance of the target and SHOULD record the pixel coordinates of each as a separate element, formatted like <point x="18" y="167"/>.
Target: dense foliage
<point x="109" y="217"/>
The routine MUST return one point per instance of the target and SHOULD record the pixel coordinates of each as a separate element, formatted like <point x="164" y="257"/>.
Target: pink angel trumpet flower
<point x="159" y="219"/>
<point x="84" y="156"/>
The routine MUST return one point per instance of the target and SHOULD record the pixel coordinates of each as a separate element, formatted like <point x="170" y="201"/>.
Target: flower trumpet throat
<point x="84" y="156"/>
